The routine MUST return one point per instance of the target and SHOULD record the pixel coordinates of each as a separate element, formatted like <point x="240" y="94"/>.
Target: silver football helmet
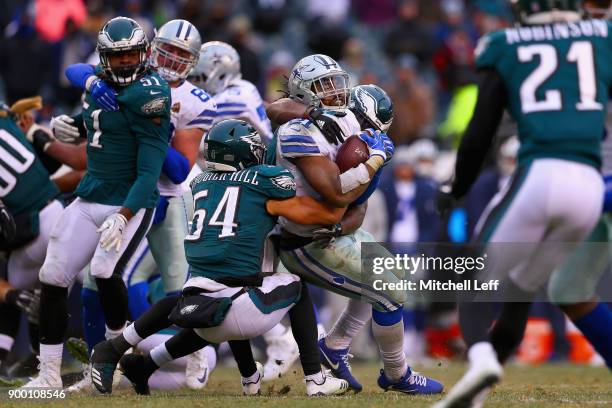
<point x="217" y="68"/>
<point x="317" y="80"/>
<point x="175" y="50"/>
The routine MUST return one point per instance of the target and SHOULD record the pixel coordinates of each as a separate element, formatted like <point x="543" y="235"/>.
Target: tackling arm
<point x="285" y="109"/>
<point x="477" y="139"/>
<point x="71" y="155"/>
<point x="305" y="210"/>
<point x="353" y="218"/>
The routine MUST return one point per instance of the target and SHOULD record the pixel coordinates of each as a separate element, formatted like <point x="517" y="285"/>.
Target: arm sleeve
<point x="152" y="148"/>
<point x="477" y="139"/>
<point x="176" y="166"/>
<point x="77" y="74"/>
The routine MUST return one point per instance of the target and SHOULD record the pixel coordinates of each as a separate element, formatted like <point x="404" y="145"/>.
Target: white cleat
<point x="84" y="385"/>
<point x="472" y="388"/>
<point x="282" y="352"/>
<point x="329" y="386"/>
<point x="250" y="386"/>
<point x="197" y="371"/>
<point x="48" y="375"/>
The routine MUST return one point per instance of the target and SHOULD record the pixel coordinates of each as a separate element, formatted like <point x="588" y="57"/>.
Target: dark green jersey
<point x="24" y="181"/>
<point x="557" y="78"/>
<point x="126" y="148"/>
<point x="230" y="221"/>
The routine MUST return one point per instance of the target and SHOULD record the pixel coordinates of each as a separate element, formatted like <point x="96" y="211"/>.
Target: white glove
<point x="112" y="232"/>
<point x="63" y="129"/>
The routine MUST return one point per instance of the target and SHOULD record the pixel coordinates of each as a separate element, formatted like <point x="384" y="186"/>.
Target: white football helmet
<point x="175" y="50"/>
<point x="317" y="80"/>
<point x="217" y="68"/>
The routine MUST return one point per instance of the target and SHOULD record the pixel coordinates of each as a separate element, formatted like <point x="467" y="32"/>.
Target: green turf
<point x="543" y="386"/>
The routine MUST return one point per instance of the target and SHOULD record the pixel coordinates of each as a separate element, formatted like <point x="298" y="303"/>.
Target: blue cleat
<point x="411" y="383"/>
<point x="338" y="362"/>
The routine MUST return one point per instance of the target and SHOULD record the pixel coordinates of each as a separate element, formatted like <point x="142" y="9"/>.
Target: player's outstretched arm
<point x="71" y="155"/>
<point x="476" y="141"/>
<point x="305" y="210"/>
<point x="285" y="109"/>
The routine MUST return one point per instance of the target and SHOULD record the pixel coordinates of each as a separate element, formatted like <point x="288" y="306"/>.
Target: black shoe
<point x="132" y="366"/>
<point x="104" y="360"/>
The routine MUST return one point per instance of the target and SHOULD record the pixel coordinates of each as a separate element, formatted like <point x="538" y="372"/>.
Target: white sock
<point x="160" y="355"/>
<point x="6" y="342"/>
<point x="481" y="350"/>
<point x="253" y="378"/>
<point x="350" y="322"/>
<point x="390" y="341"/>
<point x="131" y="336"/>
<point x="111" y="334"/>
<point x="211" y="357"/>
<point x="276" y="331"/>
<point x="317" y="378"/>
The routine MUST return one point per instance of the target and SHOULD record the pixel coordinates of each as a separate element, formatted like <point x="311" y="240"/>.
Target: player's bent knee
<point x="53" y="272"/>
<point x="102" y="267"/>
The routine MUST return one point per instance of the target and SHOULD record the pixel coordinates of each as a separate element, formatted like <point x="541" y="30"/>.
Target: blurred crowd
<point x="420" y="51"/>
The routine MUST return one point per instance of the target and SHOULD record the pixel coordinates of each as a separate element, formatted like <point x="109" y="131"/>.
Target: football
<point x="352" y="152"/>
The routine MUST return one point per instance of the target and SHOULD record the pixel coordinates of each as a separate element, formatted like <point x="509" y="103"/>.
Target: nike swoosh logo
<point x="204" y="377"/>
<point x="333" y="366"/>
<point x="155" y="93"/>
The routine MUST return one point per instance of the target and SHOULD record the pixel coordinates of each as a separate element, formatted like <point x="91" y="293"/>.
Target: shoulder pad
<point x="279" y="177"/>
<point x="148" y="96"/>
<point x="296" y="139"/>
<point x="489" y="49"/>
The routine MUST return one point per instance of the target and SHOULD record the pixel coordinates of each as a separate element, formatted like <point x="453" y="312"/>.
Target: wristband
<point x="89" y="81"/>
<point x="353" y="178"/>
<point x="375" y="162"/>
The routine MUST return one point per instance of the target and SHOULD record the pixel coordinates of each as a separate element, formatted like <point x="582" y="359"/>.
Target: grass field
<point x="542" y="386"/>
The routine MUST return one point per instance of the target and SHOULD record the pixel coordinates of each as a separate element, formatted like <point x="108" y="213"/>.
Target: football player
<point x="30" y="200"/>
<point x="115" y="199"/>
<point x="320" y="84"/>
<point x="175" y="51"/>
<point x="237" y="201"/>
<point x="546" y="74"/>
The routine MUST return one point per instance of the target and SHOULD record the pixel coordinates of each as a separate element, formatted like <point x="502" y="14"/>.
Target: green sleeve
<point x="277" y="182"/>
<point x="152" y="148"/>
<point x="489" y="49"/>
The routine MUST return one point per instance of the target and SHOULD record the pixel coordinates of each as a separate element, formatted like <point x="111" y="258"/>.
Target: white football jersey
<point x="191" y="108"/>
<point x="241" y="100"/>
<point x="301" y="138"/>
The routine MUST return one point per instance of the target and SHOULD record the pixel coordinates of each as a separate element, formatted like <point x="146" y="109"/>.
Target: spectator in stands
<point x="408" y="34"/>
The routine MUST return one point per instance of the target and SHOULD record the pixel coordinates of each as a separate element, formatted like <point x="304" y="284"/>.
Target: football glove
<point x="325" y="122"/>
<point x="445" y="200"/>
<point x="323" y="236"/>
<point x="112" y="231"/>
<point x="389" y="147"/>
<point x="8" y="229"/>
<point x="39" y="137"/>
<point x="64" y="130"/>
<point x="102" y="94"/>
<point x="375" y="142"/>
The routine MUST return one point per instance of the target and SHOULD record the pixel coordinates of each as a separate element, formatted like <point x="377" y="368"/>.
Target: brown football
<point x="352" y="152"/>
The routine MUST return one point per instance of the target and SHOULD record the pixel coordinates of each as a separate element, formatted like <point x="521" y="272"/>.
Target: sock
<point x="597" y="328"/>
<point x="185" y="342"/>
<point x="476" y="330"/>
<point x="304" y="328"/>
<point x="149" y="365"/>
<point x="93" y="317"/>
<point x="253" y="378"/>
<point x="241" y="349"/>
<point x="160" y="355"/>
<point x="156" y="318"/>
<point x="316" y="377"/>
<point x="114" y="300"/>
<point x="50" y="352"/>
<point x="125" y="340"/>
<point x="388" y="330"/>
<point x="111" y="333"/>
<point x="53" y="314"/>
<point x="137" y="299"/>
<point x="276" y="331"/>
<point x="351" y="321"/>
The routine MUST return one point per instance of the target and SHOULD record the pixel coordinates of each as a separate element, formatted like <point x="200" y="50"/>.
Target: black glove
<point x="323" y="236"/>
<point x="26" y="300"/>
<point x="8" y="229"/>
<point x="325" y="122"/>
<point x="41" y="139"/>
<point x="445" y="201"/>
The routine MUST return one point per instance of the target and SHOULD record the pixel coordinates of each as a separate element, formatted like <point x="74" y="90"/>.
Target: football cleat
<point x="484" y="371"/>
<point x="250" y="387"/>
<point x="104" y="360"/>
<point x="83" y="385"/>
<point x="338" y="362"/>
<point x="330" y="386"/>
<point x="282" y="352"/>
<point x="197" y="371"/>
<point x="132" y="366"/>
<point x="411" y="383"/>
<point x="48" y="375"/>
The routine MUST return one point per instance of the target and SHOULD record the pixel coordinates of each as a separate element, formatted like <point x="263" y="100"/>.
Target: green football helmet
<point x="532" y="12"/>
<point x="119" y="35"/>
<point x="372" y="107"/>
<point x="231" y="145"/>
